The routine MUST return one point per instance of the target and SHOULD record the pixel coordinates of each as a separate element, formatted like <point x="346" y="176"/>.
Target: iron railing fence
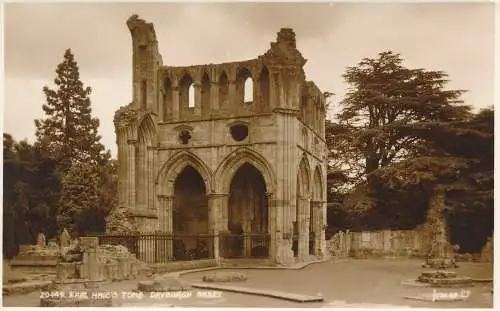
<point x="247" y="245"/>
<point x="160" y="247"/>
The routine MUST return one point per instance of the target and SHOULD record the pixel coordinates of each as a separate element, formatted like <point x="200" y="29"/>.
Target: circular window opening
<point x="239" y="132"/>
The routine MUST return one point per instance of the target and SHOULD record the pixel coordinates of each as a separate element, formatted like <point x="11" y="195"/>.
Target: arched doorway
<point x="190" y="216"/>
<point x="248" y="214"/>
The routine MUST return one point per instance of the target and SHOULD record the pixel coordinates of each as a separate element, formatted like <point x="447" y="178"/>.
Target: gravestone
<point x="65" y="238"/>
<point x="41" y="240"/>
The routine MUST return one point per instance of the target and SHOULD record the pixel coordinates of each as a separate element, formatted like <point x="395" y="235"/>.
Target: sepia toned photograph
<point x="248" y="154"/>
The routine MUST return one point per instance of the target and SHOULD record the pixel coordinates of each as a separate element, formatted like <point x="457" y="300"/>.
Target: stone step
<point x="24" y="287"/>
<point x="260" y="292"/>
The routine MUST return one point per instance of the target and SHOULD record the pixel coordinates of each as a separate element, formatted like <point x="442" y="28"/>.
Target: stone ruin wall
<point x="285" y="119"/>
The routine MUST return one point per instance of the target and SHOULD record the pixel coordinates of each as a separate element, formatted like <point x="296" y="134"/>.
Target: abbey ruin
<point x="234" y="149"/>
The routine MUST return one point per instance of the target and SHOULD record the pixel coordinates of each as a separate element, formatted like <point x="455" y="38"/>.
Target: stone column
<point x="315" y="206"/>
<point x="303" y="224"/>
<point x="214" y="98"/>
<point x="231" y="102"/>
<point x="131" y="172"/>
<point x="275" y="89"/>
<point x="150" y="183"/>
<point x="286" y="173"/>
<point x="165" y="219"/>
<point x="197" y="99"/>
<point x="257" y="98"/>
<point x="161" y="106"/>
<point x="321" y="228"/>
<point x="123" y="167"/>
<point x="90" y="267"/>
<point x="175" y="103"/>
<point x="274" y="228"/>
<point x="216" y="204"/>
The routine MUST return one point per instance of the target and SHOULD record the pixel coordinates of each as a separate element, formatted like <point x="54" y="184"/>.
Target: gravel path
<point x="353" y="283"/>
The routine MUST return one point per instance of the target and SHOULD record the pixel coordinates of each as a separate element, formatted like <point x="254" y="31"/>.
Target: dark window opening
<point x="184" y="137"/>
<point x="143" y="94"/>
<point x="239" y="132"/>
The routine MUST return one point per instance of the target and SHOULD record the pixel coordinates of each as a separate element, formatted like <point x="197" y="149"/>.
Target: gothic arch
<point x="264" y="84"/>
<point x="206" y="91"/>
<point x="174" y="166"/>
<point x="304" y="175"/>
<point x="317" y="190"/>
<point x="223" y="82"/>
<point x="244" y="79"/>
<point x="232" y="162"/>
<point x="146" y="130"/>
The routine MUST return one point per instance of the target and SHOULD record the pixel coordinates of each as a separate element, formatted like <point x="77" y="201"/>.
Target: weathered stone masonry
<point x="262" y="163"/>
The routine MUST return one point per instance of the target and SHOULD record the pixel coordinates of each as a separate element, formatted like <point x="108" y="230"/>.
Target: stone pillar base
<point x="70" y="270"/>
<point x="440" y="263"/>
<point x="285" y="253"/>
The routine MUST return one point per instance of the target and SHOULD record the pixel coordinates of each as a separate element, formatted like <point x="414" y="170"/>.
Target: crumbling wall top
<point x="312" y="90"/>
<point x="284" y="51"/>
<point x="135" y="23"/>
<point x="286" y="37"/>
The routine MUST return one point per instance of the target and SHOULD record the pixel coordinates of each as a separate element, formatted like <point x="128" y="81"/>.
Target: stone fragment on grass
<point x="166" y="284"/>
<point x="225" y="277"/>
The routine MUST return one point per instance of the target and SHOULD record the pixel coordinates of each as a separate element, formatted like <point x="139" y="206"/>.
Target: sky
<point x="457" y="38"/>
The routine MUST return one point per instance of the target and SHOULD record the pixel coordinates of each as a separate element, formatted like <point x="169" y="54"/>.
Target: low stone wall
<point x="100" y="262"/>
<point x="33" y="259"/>
<point x="382" y="243"/>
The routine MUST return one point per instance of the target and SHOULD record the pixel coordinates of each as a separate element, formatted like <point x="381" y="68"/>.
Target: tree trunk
<point x="435" y="226"/>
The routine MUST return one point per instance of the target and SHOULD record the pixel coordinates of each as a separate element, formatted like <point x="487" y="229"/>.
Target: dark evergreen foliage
<point x="400" y="136"/>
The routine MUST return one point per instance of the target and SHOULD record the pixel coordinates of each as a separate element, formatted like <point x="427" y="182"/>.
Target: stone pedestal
<point x="67" y="271"/>
<point x="90" y="266"/>
<point x="285" y="253"/>
<point x="443" y="278"/>
<point x="125" y="267"/>
<point x="440" y="263"/>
